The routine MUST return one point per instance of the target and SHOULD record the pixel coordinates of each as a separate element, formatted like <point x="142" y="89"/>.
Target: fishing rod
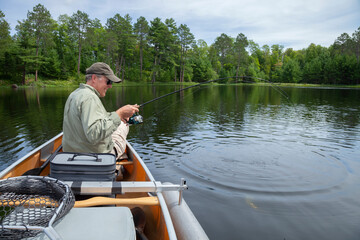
<point x="137" y="118"/>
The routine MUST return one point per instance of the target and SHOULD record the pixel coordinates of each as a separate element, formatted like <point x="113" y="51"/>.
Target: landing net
<point x="31" y="204"/>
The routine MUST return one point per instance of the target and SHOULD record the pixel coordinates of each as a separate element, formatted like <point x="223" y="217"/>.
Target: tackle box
<point x="68" y="166"/>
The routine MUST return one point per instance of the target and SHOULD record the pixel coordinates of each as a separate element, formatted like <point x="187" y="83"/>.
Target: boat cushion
<point x="95" y="223"/>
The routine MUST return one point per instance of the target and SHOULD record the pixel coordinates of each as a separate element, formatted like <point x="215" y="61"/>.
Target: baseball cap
<point x="101" y="68"/>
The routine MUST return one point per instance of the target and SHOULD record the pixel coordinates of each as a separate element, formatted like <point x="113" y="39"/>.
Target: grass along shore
<point x="75" y="81"/>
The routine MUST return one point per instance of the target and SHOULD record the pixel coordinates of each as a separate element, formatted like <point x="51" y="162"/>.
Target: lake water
<point x="260" y="163"/>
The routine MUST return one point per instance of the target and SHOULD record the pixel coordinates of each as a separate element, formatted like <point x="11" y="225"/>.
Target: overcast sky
<point x="291" y="23"/>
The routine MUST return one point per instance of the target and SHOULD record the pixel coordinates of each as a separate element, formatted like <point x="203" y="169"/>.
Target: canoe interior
<point x="155" y="227"/>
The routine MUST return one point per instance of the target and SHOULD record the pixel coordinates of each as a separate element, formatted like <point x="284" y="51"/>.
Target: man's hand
<point x="125" y="112"/>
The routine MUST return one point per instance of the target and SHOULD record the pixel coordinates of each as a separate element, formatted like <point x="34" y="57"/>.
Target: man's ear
<point x="92" y="79"/>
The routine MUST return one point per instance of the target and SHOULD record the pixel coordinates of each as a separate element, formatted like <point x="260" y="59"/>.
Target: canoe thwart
<point x="110" y="188"/>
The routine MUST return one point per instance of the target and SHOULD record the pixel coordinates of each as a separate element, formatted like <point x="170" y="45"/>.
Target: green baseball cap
<point x="101" y="68"/>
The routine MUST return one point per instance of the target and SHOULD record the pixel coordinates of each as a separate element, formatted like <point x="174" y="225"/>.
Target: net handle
<point x="51" y="233"/>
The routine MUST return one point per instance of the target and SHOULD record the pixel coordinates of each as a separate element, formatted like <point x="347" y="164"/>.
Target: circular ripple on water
<point x="264" y="167"/>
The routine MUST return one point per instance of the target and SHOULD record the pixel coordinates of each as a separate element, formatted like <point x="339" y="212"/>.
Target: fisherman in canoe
<point x="140" y="205"/>
<point x="87" y="126"/>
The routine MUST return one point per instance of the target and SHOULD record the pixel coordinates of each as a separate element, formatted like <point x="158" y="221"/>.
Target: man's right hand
<point x="125" y="112"/>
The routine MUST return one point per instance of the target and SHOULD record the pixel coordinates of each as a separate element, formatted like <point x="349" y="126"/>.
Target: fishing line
<point x="172" y="104"/>
<point x="153" y="116"/>
<point x="136" y="118"/>
<point x="277" y="88"/>
<point x="178" y="100"/>
<point x="182" y="89"/>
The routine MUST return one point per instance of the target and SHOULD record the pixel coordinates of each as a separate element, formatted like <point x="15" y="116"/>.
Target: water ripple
<point x="264" y="154"/>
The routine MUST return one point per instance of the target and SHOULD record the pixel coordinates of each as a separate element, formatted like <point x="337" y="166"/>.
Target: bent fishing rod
<point x="137" y="118"/>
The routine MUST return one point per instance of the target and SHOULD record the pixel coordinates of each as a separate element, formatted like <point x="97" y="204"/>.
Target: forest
<point x="162" y="51"/>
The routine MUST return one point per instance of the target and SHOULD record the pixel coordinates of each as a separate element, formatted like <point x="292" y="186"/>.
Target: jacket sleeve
<point x="97" y="123"/>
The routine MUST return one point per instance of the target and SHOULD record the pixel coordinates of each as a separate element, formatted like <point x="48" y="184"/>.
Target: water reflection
<point x="29" y="117"/>
<point x="284" y="167"/>
<point x="258" y="165"/>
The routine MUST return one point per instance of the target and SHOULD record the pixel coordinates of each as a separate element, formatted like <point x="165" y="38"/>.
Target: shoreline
<point x="74" y="83"/>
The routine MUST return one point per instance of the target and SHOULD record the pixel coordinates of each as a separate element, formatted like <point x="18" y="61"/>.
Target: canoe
<point x="167" y="216"/>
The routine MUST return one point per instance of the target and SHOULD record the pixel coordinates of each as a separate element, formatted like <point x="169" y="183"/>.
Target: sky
<point x="291" y="23"/>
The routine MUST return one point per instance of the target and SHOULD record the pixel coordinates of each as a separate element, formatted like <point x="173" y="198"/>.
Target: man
<point x="87" y="126"/>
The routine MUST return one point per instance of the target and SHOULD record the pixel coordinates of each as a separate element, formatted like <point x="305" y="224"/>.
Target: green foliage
<point x="291" y="71"/>
<point x="223" y="46"/>
<point x="161" y="51"/>
<point x="52" y="66"/>
<point x="141" y="31"/>
<point x="6" y="44"/>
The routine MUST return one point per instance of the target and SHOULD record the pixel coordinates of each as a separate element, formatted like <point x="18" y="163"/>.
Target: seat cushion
<point x="95" y="223"/>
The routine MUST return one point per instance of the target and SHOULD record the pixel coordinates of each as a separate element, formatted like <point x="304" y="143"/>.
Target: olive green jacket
<point x="87" y="125"/>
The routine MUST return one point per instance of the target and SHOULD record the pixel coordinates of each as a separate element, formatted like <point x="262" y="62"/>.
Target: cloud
<point x="295" y="23"/>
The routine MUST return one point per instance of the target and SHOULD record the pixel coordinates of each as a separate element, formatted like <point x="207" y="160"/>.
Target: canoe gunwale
<point x="132" y="150"/>
<point x="13" y="165"/>
<point x="163" y="205"/>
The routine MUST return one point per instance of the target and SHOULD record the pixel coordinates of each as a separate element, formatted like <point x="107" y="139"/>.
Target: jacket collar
<point x="83" y="85"/>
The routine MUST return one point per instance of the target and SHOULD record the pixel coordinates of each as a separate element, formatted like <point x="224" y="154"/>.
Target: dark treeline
<point x="162" y="51"/>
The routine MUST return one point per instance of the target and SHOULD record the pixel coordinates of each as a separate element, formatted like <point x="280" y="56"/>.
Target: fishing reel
<point x="135" y="119"/>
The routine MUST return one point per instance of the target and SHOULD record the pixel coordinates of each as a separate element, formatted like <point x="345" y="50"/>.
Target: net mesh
<point x="29" y="202"/>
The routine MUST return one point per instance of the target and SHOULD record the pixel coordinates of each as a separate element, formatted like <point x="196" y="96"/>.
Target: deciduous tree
<point x="240" y="45"/>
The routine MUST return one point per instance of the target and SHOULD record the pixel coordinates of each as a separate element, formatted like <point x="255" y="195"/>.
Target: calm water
<point x="259" y="166"/>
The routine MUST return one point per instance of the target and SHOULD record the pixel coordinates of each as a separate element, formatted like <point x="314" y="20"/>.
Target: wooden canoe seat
<point x="124" y="163"/>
